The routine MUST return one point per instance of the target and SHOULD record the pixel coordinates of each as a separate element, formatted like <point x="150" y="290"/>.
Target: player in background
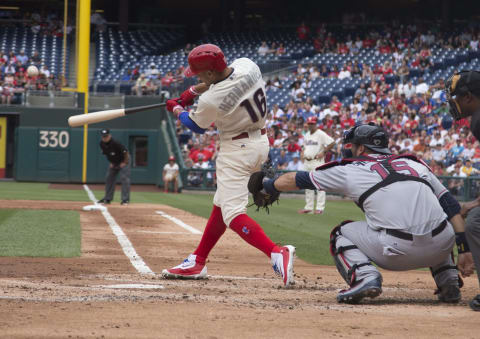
<point x="316" y="144"/>
<point x="170" y="174"/>
<point x="232" y="97"/>
<point x="409" y="216"/>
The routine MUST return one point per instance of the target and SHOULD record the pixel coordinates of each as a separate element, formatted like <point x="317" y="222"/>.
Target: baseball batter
<point x="232" y="97"/>
<point x="409" y="216"/>
<point x="315" y="145"/>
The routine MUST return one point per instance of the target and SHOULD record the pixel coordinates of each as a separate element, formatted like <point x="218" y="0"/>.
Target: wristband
<point x="192" y="90"/>
<point x="462" y="244"/>
<point x="269" y="187"/>
<point x="178" y="107"/>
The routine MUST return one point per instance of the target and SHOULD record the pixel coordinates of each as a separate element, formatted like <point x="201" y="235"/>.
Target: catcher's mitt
<point x="261" y="198"/>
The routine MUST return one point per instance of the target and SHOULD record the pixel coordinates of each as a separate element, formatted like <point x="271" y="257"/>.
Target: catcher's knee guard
<point x="346" y="270"/>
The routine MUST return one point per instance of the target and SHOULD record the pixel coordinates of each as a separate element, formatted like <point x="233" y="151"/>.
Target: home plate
<point x="95" y="207"/>
<point x="133" y="286"/>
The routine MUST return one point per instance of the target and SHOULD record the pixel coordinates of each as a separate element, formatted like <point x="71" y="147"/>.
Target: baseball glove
<point x="261" y="198"/>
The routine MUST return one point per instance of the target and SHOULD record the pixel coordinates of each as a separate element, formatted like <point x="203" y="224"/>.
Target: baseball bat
<point x="91" y="118"/>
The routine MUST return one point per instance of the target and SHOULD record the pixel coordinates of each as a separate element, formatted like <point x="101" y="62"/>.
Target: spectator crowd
<point x="14" y="80"/>
<point x="413" y="112"/>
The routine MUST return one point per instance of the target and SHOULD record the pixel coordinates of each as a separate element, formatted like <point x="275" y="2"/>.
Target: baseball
<point x="32" y="71"/>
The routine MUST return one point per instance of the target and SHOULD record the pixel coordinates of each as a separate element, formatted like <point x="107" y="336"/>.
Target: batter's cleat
<point x="304" y="211"/>
<point x="282" y="263"/>
<point x="318" y="212"/>
<point x="449" y="294"/>
<point x="103" y="201"/>
<point x="475" y="303"/>
<point x="367" y="287"/>
<point x="188" y="269"/>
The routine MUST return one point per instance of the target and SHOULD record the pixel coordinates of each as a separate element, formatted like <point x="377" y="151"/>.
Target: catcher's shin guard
<point x="449" y="292"/>
<point x="346" y="270"/>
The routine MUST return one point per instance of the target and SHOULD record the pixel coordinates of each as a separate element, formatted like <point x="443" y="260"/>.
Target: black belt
<point x="408" y="236"/>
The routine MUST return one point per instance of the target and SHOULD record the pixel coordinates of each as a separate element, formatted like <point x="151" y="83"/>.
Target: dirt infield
<point x="90" y="296"/>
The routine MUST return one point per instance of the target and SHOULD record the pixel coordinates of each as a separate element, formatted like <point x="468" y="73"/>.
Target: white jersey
<point x="315" y="143"/>
<point x="170" y="170"/>
<point x="403" y="205"/>
<point x="236" y="104"/>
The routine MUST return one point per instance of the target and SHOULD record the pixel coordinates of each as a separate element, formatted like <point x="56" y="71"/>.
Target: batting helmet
<point x="370" y="136"/>
<point x="206" y="57"/>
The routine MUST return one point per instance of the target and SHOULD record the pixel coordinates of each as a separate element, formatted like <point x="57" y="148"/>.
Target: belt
<point x="408" y="236"/>
<point x="244" y="135"/>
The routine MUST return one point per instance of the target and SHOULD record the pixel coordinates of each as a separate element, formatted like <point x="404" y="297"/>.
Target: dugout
<point x="44" y="148"/>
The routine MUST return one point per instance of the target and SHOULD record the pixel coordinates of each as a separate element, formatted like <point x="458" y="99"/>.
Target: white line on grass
<point x="123" y="240"/>
<point x="179" y="222"/>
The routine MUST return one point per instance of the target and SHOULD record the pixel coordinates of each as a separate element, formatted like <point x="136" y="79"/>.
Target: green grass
<point x="38" y="191"/>
<point x="309" y="233"/>
<point x="39" y="233"/>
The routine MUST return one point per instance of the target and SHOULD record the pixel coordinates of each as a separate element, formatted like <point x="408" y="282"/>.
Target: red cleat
<point x="282" y="263"/>
<point x="188" y="269"/>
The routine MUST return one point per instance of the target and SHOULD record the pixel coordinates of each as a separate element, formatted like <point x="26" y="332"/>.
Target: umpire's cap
<point x="371" y="136"/>
<point x="105" y="131"/>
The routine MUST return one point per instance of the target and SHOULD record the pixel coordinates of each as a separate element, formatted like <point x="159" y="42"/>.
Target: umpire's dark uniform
<point x="463" y="94"/>
<point x="119" y="160"/>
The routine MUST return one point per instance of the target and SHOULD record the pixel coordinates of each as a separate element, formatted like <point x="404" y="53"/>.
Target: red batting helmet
<point x="206" y="57"/>
<point x="312" y="120"/>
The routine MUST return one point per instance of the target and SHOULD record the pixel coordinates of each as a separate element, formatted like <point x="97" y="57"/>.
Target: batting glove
<point x="188" y="96"/>
<point x="174" y="104"/>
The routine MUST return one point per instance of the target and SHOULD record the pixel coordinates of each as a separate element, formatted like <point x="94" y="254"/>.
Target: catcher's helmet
<point x="206" y="57"/>
<point x="370" y="136"/>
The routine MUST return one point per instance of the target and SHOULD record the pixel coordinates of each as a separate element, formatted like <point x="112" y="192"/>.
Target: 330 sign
<point x="53" y="139"/>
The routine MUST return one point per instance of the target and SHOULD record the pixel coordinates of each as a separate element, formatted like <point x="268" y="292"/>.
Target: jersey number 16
<point x="261" y="103"/>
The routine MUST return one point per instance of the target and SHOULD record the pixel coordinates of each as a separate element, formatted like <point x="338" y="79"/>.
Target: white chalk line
<point x="132" y="286"/>
<point x="231" y="277"/>
<point x="123" y="240"/>
<point x="179" y="223"/>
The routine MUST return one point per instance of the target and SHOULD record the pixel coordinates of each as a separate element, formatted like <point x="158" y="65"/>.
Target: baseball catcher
<point x="409" y="216"/>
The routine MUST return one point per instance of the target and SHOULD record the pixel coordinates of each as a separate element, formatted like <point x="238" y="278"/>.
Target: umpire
<point x="119" y="160"/>
<point x="463" y="95"/>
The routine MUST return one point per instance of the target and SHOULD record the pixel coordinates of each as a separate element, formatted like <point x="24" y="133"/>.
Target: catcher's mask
<point x="371" y="136"/>
<point x="459" y="85"/>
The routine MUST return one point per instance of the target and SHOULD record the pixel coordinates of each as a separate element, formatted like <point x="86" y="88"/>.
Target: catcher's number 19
<point x="53" y="139"/>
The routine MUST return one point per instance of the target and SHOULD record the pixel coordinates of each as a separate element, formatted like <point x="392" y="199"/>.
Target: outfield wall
<point x="48" y="150"/>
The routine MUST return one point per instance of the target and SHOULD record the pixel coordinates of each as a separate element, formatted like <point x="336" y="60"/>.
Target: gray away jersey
<point x="405" y="205"/>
